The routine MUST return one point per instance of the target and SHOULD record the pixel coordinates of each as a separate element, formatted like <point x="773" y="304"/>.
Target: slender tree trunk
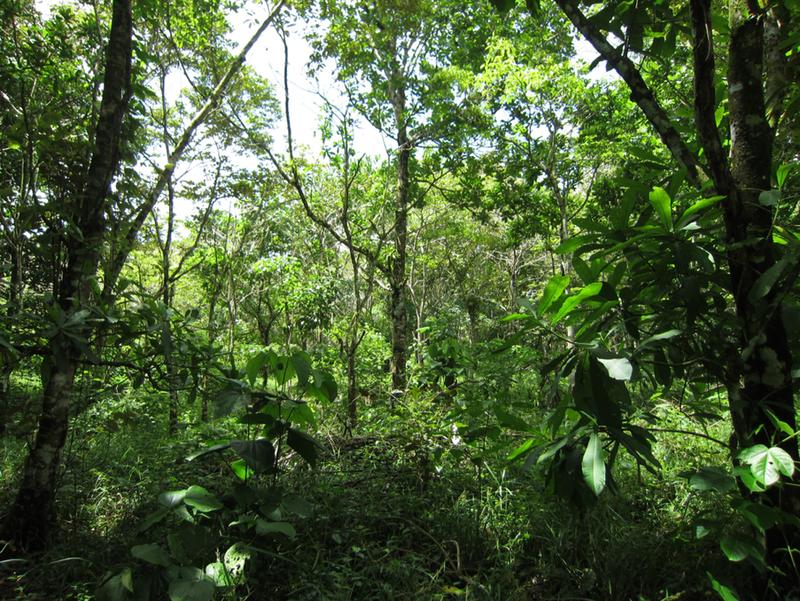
<point x="31" y="516"/>
<point x="398" y="272"/>
<point x="166" y="273"/>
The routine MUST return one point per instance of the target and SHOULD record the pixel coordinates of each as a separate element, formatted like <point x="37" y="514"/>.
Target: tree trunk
<point x="764" y="368"/>
<point x="398" y="279"/>
<point x="32" y="514"/>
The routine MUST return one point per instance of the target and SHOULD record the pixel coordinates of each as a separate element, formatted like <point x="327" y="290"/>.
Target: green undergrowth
<point x="389" y="520"/>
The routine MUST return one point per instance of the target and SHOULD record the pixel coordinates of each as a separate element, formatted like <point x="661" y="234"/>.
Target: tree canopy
<point x="539" y="345"/>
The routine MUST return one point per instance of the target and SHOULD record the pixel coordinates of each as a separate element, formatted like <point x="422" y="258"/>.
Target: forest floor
<point x="384" y="522"/>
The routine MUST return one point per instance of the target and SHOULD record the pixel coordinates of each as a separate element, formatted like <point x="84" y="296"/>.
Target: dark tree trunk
<point x="764" y="368"/>
<point x="31" y="516"/>
<point x="759" y="376"/>
<point x="398" y="272"/>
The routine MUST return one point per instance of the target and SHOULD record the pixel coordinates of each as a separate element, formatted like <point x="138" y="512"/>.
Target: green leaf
<point x="554" y="288"/>
<point x="241" y="470"/>
<point x="113" y="589"/>
<point x="574" y="243"/>
<point x="214" y="449"/>
<point x="191" y="590"/>
<point x="699" y="206"/>
<point x="593" y="465"/>
<point x="202" y="500"/>
<point x="153" y="518"/>
<point x="266" y="527"/>
<point x="297" y="505"/>
<point x="767" y="464"/>
<point x="662" y="336"/>
<point x="521" y="449"/>
<point x="712" y="478"/>
<point x="619" y="368"/>
<point x="769" y="198"/>
<point x="725" y="593"/>
<point x="235" y="558"/>
<point x="766" y="281"/>
<point x="510" y="421"/>
<point x="301" y="362"/>
<point x="738" y="547"/>
<point x="748" y="479"/>
<point x="151" y="553"/>
<point x="662" y="203"/>
<point x="782" y="174"/>
<point x="219" y="575"/>
<point x="574" y="300"/>
<point x="254" y="366"/>
<point x="304" y="444"/>
<point x="259" y="454"/>
<point x="778" y="423"/>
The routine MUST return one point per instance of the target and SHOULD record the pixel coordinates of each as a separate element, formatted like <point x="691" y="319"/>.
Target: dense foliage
<point x="537" y="346"/>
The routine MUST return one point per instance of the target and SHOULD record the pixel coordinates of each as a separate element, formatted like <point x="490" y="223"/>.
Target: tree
<point x="393" y="58"/>
<point x="758" y="375"/>
<point x="32" y="513"/>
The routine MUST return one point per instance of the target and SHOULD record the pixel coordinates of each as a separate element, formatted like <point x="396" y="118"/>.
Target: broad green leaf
<point x="585" y="273"/>
<point x="219" y="575"/>
<point x="554" y="288"/>
<point x="661" y="336"/>
<point x="593" y="465"/>
<point x="619" y="368"/>
<point x="767" y="464"/>
<point x="151" y="553"/>
<point x="266" y="527"/>
<point x="254" y="366"/>
<point x="738" y="547"/>
<point x="240" y="468"/>
<point x="113" y="589"/>
<point x="596" y="394"/>
<point x="778" y="423"/>
<point x="662" y="203"/>
<point x="191" y="590"/>
<point x="301" y="362"/>
<point x="259" y="454"/>
<point x="297" y="505"/>
<point x="153" y="518"/>
<point x="769" y="198"/>
<point x="761" y="516"/>
<point x="510" y="421"/>
<point x="202" y="500"/>
<point x="235" y="558"/>
<point x="574" y="243"/>
<point x="305" y="446"/>
<point x="712" y="478"/>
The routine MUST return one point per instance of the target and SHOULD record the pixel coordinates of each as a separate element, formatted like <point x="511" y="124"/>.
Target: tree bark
<point x="398" y="266"/>
<point x="764" y="369"/>
<point x="30" y="518"/>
